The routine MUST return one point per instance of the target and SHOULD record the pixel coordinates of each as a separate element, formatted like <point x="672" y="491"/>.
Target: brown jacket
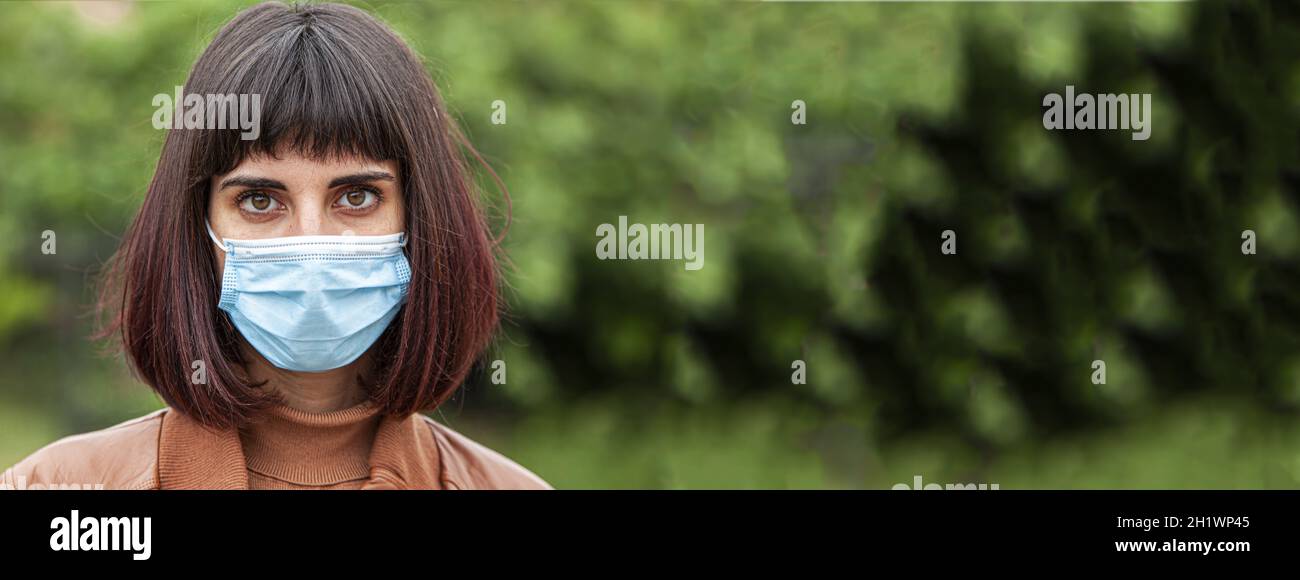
<point x="167" y="450"/>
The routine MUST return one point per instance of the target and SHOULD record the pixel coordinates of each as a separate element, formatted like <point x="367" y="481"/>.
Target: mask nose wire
<point x="213" y="235"/>
<point x="401" y="241"/>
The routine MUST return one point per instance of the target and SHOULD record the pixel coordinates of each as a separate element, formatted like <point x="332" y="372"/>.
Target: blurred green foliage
<point x="822" y="240"/>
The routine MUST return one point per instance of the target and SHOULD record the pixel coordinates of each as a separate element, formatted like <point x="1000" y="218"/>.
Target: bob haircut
<point x="334" y="82"/>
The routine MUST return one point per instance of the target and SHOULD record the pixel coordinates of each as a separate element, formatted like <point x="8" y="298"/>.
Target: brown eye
<point x="358" y="199"/>
<point x="256" y="202"/>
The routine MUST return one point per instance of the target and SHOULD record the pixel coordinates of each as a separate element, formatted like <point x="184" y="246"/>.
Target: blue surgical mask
<point x="313" y="303"/>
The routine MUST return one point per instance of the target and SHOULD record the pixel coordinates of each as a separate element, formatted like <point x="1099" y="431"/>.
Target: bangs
<point x="314" y="87"/>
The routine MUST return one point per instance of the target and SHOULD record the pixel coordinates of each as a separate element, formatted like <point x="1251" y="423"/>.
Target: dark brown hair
<point x="333" y="81"/>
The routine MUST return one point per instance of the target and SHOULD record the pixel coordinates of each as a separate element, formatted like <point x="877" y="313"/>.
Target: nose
<point x="310" y="221"/>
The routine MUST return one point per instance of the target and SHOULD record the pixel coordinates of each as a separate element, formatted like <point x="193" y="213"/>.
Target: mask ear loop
<point x="228" y="291"/>
<point x="213" y="235"/>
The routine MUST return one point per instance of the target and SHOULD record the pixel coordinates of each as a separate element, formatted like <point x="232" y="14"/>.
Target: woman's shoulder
<point x="124" y="456"/>
<point x="468" y="464"/>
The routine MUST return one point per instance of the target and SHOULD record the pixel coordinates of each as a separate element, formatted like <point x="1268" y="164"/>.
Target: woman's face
<point x="265" y="197"/>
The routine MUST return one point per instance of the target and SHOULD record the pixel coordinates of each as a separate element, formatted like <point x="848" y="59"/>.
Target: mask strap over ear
<point x="213" y="235"/>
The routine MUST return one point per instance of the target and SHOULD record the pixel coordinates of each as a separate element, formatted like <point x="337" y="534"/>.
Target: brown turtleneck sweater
<point x="285" y="448"/>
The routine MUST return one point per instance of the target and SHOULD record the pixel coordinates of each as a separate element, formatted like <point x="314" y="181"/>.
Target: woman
<point x="299" y="297"/>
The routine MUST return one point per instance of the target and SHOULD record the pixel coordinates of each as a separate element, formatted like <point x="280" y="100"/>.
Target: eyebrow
<point x="363" y="177"/>
<point x="257" y="182"/>
<point x="266" y="183"/>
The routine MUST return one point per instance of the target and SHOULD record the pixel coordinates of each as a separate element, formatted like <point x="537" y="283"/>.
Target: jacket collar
<point x="191" y="456"/>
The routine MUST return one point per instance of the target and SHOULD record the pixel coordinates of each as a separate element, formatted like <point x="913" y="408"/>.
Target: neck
<point x="321" y="392"/>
